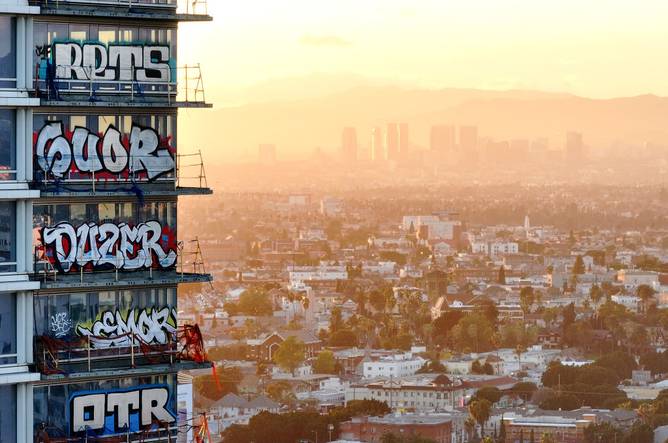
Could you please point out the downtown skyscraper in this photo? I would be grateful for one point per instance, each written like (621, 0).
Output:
(90, 259)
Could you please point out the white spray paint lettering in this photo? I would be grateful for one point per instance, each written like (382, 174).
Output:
(153, 326)
(107, 244)
(93, 61)
(89, 412)
(56, 154)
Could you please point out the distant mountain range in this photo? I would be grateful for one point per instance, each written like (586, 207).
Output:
(324, 106)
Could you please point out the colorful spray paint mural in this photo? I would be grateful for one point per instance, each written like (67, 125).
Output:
(152, 326)
(122, 408)
(81, 153)
(127, 243)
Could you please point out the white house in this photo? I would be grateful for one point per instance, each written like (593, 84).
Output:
(400, 365)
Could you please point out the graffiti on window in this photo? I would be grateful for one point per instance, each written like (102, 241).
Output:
(114, 328)
(142, 154)
(113, 412)
(109, 246)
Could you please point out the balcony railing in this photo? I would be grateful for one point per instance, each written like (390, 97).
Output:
(159, 433)
(90, 353)
(188, 173)
(186, 86)
(190, 7)
(188, 254)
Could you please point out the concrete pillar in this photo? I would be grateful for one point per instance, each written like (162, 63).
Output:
(21, 52)
(21, 144)
(28, 332)
(28, 155)
(20, 328)
(29, 49)
(21, 222)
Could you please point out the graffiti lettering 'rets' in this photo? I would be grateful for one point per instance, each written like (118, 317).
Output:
(141, 155)
(109, 246)
(151, 325)
(94, 61)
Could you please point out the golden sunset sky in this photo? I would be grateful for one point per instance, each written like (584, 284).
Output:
(595, 48)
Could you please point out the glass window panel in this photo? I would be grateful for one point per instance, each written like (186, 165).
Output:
(7, 52)
(7, 327)
(8, 414)
(7, 142)
(7, 236)
(77, 120)
(107, 34)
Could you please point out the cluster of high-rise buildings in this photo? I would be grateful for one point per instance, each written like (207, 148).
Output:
(90, 259)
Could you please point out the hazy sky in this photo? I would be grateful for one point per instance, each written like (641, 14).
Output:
(597, 48)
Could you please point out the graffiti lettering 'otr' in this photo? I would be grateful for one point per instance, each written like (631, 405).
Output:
(107, 245)
(153, 326)
(94, 61)
(115, 412)
(55, 151)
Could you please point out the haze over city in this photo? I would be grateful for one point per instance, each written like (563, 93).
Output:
(350, 221)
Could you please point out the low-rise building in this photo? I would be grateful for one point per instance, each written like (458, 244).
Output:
(400, 365)
(435, 427)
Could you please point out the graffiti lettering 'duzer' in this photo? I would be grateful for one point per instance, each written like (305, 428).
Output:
(119, 246)
(152, 326)
(57, 152)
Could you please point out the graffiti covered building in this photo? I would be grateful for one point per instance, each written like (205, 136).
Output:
(90, 259)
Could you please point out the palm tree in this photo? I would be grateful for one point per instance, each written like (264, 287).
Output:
(480, 411)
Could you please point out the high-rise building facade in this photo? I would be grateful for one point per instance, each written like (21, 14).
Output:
(349, 144)
(90, 260)
(392, 141)
(377, 145)
(468, 138)
(442, 138)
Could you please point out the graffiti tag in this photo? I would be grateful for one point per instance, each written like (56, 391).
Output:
(113, 412)
(153, 326)
(95, 61)
(60, 324)
(108, 245)
(57, 153)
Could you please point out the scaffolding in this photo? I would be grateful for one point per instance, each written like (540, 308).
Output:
(190, 171)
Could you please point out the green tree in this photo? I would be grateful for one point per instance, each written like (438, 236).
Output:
(255, 301)
(215, 387)
(432, 367)
(480, 411)
(578, 267)
(473, 332)
(501, 279)
(595, 293)
(325, 363)
(335, 320)
(290, 354)
(343, 337)
(524, 390)
(547, 438)
(527, 298)
(489, 393)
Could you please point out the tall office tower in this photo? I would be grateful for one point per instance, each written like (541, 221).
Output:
(377, 146)
(349, 145)
(89, 253)
(392, 141)
(404, 140)
(267, 154)
(468, 138)
(442, 138)
(574, 146)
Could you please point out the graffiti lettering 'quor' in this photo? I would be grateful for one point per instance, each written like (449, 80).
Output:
(57, 152)
(95, 61)
(152, 326)
(119, 246)
(107, 413)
